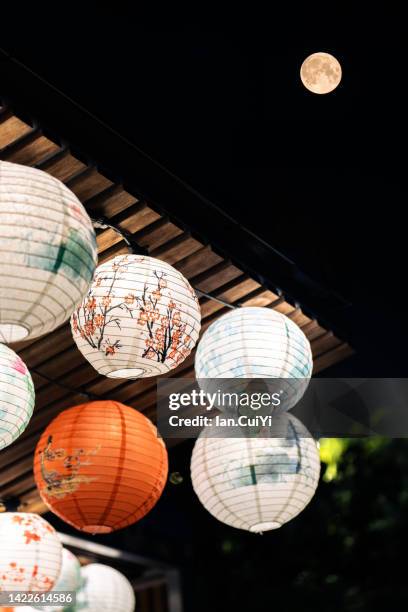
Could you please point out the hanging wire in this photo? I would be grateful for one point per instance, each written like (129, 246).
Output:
(215, 299)
(77, 390)
(135, 248)
(128, 238)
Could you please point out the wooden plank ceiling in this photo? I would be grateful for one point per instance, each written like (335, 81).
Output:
(55, 355)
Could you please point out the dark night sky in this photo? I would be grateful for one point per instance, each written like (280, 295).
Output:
(225, 110)
(319, 177)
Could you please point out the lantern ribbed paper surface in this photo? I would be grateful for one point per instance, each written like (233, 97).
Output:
(140, 318)
(100, 466)
(30, 553)
(69, 579)
(255, 342)
(17, 396)
(256, 483)
(105, 590)
(48, 252)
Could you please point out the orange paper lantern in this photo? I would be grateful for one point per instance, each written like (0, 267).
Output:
(100, 466)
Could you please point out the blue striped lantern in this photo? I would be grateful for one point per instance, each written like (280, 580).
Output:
(259, 343)
(17, 396)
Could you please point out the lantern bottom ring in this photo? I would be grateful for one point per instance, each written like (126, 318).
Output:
(261, 527)
(95, 529)
(127, 373)
(13, 332)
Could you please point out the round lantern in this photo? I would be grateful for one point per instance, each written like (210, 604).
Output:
(140, 318)
(17, 396)
(100, 466)
(48, 253)
(69, 579)
(256, 483)
(255, 342)
(105, 590)
(30, 553)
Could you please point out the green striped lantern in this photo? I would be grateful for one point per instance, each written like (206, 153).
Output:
(47, 252)
(16, 396)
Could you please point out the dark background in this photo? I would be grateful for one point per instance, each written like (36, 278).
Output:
(322, 179)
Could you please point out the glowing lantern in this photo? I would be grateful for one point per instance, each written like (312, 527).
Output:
(17, 396)
(105, 590)
(256, 483)
(255, 342)
(100, 466)
(140, 318)
(48, 252)
(30, 553)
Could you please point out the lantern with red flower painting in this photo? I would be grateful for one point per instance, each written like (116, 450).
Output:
(30, 553)
(140, 318)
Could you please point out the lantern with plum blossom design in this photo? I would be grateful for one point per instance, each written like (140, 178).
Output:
(140, 318)
(30, 553)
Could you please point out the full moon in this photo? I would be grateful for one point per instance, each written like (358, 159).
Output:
(320, 73)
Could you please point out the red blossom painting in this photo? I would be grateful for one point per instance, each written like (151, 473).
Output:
(154, 309)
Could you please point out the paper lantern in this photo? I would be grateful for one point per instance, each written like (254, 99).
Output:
(30, 553)
(100, 466)
(140, 318)
(105, 590)
(256, 483)
(69, 579)
(258, 343)
(48, 252)
(17, 396)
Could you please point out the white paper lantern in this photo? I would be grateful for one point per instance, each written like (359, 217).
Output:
(105, 590)
(30, 553)
(48, 252)
(256, 483)
(140, 318)
(255, 342)
(69, 579)
(17, 396)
